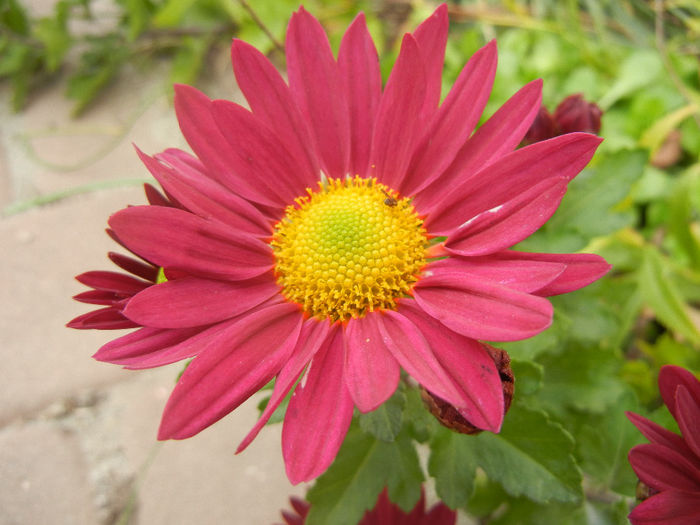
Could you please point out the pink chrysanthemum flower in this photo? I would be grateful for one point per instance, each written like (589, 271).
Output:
(384, 513)
(340, 232)
(670, 464)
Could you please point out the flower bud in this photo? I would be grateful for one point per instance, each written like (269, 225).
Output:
(542, 128)
(574, 113)
(450, 417)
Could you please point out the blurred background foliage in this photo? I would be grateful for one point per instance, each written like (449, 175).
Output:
(637, 204)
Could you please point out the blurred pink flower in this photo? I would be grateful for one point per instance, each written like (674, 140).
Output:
(670, 464)
(384, 513)
(342, 231)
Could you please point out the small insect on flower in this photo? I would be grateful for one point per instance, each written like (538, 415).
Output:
(389, 201)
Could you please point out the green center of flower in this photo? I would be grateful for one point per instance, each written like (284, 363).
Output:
(349, 248)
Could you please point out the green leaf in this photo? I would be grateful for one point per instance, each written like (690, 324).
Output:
(532, 457)
(603, 443)
(453, 462)
(14, 17)
(582, 378)
(189, 59)
(587, 205)
(528, 376)
(52, 32)
(363, 467)
(278, 415)
(659, 292)
(417, 420)
(681, 216)
(138, 15)
(98, 65)
(637, 71)
(384, 423)
(172, 12)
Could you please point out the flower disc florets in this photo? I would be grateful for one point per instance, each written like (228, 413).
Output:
(349, 248)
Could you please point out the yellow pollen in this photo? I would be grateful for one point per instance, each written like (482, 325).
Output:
(348, 249)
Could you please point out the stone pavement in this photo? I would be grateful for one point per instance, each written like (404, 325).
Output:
(77, 437)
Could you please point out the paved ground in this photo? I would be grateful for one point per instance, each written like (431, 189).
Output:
(77, 437)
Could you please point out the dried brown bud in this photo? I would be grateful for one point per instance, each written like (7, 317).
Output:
(542, 128)
(448, 415)
(574, 113)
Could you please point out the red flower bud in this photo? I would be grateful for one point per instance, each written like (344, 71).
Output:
(574, 113)
(542, 128)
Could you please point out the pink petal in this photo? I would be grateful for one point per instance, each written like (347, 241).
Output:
(154, 197)
(109, 318)
(581, 269)
(411, 349)
(313, 335)
(431, 37)
(517, 219)
(398, 127)
(260, 157)
(497, 136)
(371, 372)
(671, 507)
(197, 124)
(454, 121)
(663, 468)
(112, 282)
(180, 240)
(517, 274)
(470, 367)
(146, 344)
(318, 416)
(315, 84)
(658, 434)
(358, 64)
(670, 377)
(204, 196)
(480, 309)
(511, 175)
(688, 417)
(270, 99)
(138, 268)
(230, 368)
(192, 301)
(99, 297)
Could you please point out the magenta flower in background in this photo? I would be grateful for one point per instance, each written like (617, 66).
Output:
(384, 513)
(670, 464)
(343, 231)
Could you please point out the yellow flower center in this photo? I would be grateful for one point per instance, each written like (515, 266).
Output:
(349, 248)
